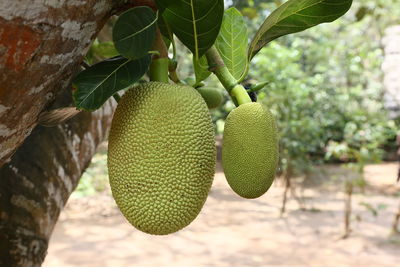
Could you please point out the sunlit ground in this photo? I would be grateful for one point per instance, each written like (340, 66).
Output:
(231, 231)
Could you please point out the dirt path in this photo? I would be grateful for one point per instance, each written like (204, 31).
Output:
(234, 232)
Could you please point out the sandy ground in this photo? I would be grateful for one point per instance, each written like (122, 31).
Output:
(231, 231)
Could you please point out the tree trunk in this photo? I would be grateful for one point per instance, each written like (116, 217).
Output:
(37, 182)
(42, 44)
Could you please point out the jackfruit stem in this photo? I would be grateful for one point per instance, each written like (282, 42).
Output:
(173, 75)
(240, 94)
(160, 63)
(159, 70)
(237, 92)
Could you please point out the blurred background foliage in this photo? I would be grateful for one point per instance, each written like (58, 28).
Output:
(324, 87)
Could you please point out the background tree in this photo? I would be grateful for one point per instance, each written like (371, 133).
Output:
(42, 44)
(311, 75)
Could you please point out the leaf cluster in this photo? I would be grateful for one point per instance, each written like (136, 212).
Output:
(200, 25)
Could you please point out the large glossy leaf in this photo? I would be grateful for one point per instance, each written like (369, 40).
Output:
(201, 69)
(295, 16)
(232, 43)
(134, 32)
(96, 84)
(195, 22)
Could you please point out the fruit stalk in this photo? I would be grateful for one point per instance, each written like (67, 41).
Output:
(217, 66)
(173, 75)
(160, 63)
(159, 70)
(240, 94)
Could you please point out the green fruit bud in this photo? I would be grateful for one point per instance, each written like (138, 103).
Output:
(212, 96)
(190, 81)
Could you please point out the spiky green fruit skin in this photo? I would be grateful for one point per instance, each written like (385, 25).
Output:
(212, 96)
(161, 156)
(250, 150)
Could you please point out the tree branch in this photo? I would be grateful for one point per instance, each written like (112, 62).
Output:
(37, 182)
(43, 47)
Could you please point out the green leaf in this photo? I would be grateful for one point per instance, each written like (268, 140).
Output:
(102, 80)
(134, 32)
(295, 16)
(195, 22)
(232, 43)
(201, 69)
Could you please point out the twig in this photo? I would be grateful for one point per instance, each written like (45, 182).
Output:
(347, 208)
(85, 65)
(396, 221)
(54, 117)
(288, 175)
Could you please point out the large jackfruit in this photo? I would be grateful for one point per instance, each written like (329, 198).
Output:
(250, 150)
(161, 156)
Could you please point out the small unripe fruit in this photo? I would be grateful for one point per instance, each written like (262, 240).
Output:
(212, 96)
(250, 150)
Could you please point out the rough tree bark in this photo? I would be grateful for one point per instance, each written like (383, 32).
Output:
(36, 183)
(42, 43)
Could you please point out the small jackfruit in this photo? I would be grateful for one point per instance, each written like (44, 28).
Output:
(212, 96)
(250, 150)
(161, 156)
